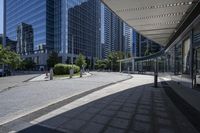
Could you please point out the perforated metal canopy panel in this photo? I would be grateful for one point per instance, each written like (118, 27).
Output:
(156, 19)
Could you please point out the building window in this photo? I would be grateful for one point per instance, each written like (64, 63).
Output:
(178, 59)
(186, 56)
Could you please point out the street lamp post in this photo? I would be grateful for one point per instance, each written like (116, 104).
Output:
(72, 54)
(72, 58)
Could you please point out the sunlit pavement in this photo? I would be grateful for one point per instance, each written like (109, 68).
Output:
(28, 97)
(13, 81)
(132, 106)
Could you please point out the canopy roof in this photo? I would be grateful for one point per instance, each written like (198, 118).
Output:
(157, 20)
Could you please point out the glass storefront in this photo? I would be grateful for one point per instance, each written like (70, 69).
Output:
(186, 56)
(178, 59)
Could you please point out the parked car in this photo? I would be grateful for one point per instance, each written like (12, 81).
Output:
(5, 72)
(2, 73)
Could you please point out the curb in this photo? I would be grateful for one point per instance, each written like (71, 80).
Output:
(31, 78)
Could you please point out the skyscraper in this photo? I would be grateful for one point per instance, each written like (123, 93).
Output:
(83, 28)
(1, 39)
(38, 15)
(128, 40)
(112, 32)
(135, 45)
(24, 39)
(57, 25)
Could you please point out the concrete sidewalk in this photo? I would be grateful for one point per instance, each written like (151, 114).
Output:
(133, 106)
(32, 96)
(43, 77)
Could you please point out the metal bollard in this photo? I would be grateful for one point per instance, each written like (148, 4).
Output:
(128, 70)
(81, 73)
(51, 74)
(71, 73)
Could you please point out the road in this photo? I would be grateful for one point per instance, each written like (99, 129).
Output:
(12, 81)
(31, 96)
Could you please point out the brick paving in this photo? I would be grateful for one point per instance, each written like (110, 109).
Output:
(133, 106)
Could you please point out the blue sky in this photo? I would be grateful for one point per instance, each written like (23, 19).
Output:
(1, 16)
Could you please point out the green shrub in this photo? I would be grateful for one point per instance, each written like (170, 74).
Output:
(76, 69)
(59, 69)
(62, 69)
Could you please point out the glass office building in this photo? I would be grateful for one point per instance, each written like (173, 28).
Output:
(83, 27)
(24, 39)
(57, 25)
(113, 39)
(40, 17)
(128, 40)
(32, 12)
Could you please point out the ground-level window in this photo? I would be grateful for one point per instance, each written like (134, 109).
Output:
(178, 59)
(186, 56)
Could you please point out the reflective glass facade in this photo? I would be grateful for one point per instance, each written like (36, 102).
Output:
(128, 42)
(113, 32)
(24, 39)
(83, 25)
(55, 23)
(180, 62)
(31, 12)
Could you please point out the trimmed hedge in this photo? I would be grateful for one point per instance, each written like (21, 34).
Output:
(62, 69)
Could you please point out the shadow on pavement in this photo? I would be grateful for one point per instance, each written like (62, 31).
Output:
(142, 109)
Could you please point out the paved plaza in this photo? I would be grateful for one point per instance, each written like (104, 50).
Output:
(9, 82)
(131, 106)
(28, 97)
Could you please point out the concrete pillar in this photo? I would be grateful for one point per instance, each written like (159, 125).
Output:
(72, 56)
(156, 74)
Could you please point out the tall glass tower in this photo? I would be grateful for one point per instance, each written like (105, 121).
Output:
(83, 24)
(128, 40)
(113, 39)
(31, 12)
(57, 25)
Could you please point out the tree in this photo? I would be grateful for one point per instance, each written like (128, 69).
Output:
(3, 55)
(28, 64)
(111, 62)
(52, 60)
(113, 58)
(101, 64)
(9, 58)
(80, 61)
(14, 60)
